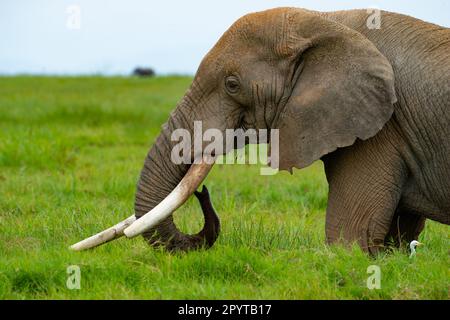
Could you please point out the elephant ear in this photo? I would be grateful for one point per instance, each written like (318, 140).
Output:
(344, 91)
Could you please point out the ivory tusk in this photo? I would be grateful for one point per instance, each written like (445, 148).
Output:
(132, 227)
(109, 234)
(193, 178)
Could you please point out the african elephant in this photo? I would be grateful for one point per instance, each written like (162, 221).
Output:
(371, 103)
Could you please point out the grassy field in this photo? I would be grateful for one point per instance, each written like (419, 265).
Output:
(71, 150)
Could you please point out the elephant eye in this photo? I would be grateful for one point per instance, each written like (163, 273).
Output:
(232, 84)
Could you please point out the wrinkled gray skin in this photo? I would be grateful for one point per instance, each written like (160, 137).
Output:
(372, 104)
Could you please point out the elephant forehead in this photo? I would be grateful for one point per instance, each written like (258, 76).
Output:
(263, 24)
(267, 34)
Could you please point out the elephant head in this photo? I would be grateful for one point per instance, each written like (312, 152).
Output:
(321, 84)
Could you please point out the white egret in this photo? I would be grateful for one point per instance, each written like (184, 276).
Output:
(413, 246)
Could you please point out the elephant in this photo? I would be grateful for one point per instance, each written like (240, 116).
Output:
(371, 103)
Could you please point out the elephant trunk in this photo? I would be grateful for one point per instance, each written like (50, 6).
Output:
(160, 180)
(162, 188)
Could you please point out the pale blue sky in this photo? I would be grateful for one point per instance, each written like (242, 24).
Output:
(171, 36)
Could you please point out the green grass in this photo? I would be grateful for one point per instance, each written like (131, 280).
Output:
(71, 150)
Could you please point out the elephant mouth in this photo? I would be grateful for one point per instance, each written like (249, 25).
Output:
(132, 227)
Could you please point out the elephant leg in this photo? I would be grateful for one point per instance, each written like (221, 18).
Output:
(365, 183)
(409, 219)
(405, 227)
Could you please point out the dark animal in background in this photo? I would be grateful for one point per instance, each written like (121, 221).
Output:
(144, 72)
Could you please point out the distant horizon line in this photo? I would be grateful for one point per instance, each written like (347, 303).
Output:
(95, 74)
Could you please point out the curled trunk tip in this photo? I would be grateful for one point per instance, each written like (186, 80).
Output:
(166, 234)
(211, 229)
